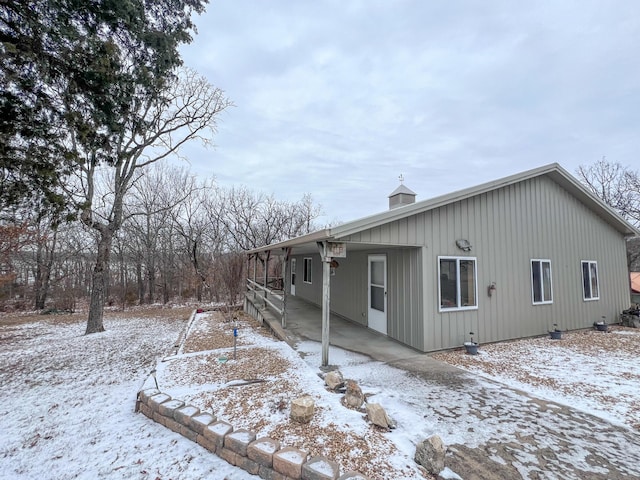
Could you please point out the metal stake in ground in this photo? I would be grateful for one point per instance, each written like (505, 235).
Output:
(235, 336)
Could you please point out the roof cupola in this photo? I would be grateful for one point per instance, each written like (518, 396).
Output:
(401, 196)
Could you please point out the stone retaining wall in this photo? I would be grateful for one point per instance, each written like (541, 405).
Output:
(259, 456)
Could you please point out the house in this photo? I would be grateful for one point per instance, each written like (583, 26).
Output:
(506, 259)
(633, 255)
(635, 287)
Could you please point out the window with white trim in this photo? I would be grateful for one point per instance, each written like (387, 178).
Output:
(541, 286)
(457, 283)
(306, 270)
(590, 288)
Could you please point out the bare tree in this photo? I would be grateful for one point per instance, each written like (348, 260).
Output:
(46, 246)
(199, 235)
(187, 112)
(13, 237)
(618, 187)
(231, 267)
(255, 219)
(149, 211)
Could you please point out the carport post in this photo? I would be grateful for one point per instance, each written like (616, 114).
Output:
(285, 264)
(266, 275)
(326, 300)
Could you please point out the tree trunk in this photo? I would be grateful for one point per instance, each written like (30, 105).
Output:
(151, 282)
(140, 282)
(44, 258)
(37, 284)
(123, 281)
(99, 284)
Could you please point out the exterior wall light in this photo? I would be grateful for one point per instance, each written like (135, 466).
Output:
(463, 245)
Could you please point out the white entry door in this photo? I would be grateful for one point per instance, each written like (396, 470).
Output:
(378, 293)
(293, 277)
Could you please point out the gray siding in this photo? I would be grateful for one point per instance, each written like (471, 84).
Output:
(507, 228)
(405, 314)
(349, 290)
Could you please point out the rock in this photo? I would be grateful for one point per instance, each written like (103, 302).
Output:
(302, 409)
(378, 416)
(353, 397)
(430, 454)
(628, 320)
(334, 380)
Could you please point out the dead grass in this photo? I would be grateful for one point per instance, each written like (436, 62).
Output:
(255, 405)
(588, 342)
(145, 311)
(515, 360)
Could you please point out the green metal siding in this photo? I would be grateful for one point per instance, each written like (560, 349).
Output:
(404, 286)
(507, 228)
(349, 291)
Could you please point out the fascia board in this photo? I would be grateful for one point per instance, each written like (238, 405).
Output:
(317, 236)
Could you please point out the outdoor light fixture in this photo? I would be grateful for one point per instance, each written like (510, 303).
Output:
(463, 244)
(492, 288)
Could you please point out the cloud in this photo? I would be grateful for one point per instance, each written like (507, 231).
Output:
(338, 99)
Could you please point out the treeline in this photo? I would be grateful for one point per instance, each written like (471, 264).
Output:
(181, 239)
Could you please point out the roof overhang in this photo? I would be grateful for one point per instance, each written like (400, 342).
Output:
(309, 240)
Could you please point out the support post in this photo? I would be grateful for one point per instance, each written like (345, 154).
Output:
(248, 270)
(285, 266)
(255, 274)
(326, 300)
(266, 274)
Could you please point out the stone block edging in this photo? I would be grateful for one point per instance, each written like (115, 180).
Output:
(263, 456)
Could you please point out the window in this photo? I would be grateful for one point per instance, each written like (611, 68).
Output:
(590, 280)
(541, 281)
(306, 270)
(457, 283)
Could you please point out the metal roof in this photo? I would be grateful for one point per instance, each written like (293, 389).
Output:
(402, 189)
(553, 171)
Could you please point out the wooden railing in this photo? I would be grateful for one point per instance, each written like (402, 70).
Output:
(265, 294)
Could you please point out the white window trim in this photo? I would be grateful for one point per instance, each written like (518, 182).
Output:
(590, 262)
(304, 270)
(442, 309)
(543, 301)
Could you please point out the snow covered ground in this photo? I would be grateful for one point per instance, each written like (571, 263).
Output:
(68, 400)
(67, 409)
(596, 372)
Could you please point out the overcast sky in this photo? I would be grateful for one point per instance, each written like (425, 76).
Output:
(338, 98)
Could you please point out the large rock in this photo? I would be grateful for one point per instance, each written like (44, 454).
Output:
(378, 416)
(353, 396)
(302, 409)
(334, 380)
(430, 454)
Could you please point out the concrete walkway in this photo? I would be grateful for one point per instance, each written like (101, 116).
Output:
(530, 438)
